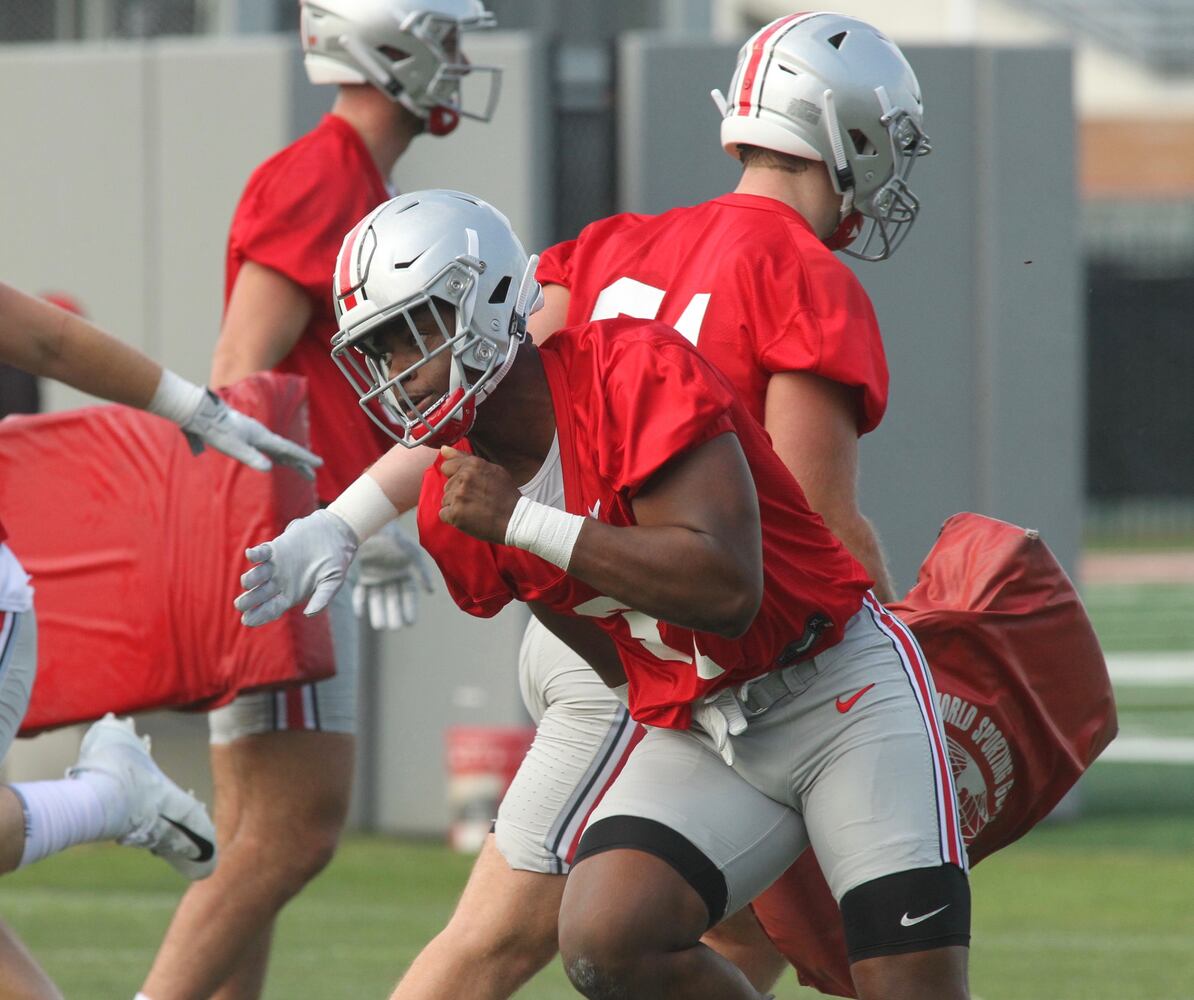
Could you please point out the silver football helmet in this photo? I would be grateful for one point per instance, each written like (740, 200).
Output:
(408, 49)
(404, 257)
(833, 88)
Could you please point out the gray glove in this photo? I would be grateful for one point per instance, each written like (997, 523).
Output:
(307, 562)
(392, 569)
(239, 436)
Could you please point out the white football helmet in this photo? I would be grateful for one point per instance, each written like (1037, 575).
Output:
(408, 49)
(832, 88)
(404, 256)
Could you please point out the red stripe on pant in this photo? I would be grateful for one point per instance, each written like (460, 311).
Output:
(635, 738)
(920, 673)
(296, 715)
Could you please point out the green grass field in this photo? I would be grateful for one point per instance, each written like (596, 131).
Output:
(1097, 910)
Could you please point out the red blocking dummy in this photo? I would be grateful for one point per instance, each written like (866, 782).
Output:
(136, 547)
(1026, 702)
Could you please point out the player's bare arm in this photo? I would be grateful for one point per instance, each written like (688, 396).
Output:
(266, 315)
(552, 315)
(47, 341)
(813, 426)
(399, 473)
(694, 559)
(44, 340)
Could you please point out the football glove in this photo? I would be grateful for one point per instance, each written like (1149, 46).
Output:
(308, 562)
(392, 570)
(239, 436)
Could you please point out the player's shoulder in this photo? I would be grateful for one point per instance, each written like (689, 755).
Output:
(620, 348)
(612, 227)
(313, 161)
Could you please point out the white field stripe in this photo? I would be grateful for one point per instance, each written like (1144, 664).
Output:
(1150, 750)
(944, 783)
(1151, 669)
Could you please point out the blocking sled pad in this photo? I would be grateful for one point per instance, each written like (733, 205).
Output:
(136, 548)
(1025, 699)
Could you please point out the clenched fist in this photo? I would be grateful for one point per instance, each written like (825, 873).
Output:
(479, 497)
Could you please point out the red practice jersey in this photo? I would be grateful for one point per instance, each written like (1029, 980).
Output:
(745, 279)
(292, 218)
(629, 396)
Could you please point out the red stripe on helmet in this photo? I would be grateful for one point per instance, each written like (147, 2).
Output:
(756, 57)
(344, 279)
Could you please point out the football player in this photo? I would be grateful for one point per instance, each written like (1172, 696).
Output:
(283, 761)
(751, 279)
(616, 482)
(114, 791)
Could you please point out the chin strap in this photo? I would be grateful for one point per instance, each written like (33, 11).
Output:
(843, 174)
(846, 233)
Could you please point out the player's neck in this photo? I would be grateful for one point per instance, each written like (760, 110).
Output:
(808, 193)
(386, 128)
(516, 423)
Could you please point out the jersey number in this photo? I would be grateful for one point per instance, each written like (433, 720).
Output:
(645, 629)
(628, 297)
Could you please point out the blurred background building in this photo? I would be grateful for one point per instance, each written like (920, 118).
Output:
(1038, 319)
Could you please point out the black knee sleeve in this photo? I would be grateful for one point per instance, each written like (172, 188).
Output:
(651, 837)
(916, 910)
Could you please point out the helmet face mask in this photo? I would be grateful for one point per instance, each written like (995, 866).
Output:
(408, 49)
(445, 270)
(889, 213)
(832, 88)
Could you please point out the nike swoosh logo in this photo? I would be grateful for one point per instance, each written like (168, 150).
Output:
(845, 704)
(907, 921)
(595, 510)
(207, 849)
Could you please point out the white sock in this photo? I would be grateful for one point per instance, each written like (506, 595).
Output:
(59, 814)
(140, 996)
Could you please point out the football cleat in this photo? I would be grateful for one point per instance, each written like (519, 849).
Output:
(169, 822)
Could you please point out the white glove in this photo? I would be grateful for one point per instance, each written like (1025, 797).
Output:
(310, 559)
(206, 419)
(721, 717)
(392, 570)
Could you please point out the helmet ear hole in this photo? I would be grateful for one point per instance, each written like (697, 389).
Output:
(862, 143)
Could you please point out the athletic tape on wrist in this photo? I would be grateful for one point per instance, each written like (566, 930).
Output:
(364, 507)
(175, 398)
(545, 531)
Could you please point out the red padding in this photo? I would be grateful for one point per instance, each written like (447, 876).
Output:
(1026, 701)
(136, 548)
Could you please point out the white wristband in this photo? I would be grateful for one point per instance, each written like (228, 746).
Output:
(545, 531)
(175, 398)
(364, 507)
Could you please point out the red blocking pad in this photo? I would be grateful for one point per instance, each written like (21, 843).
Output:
(1026, 702)
(136, 548)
